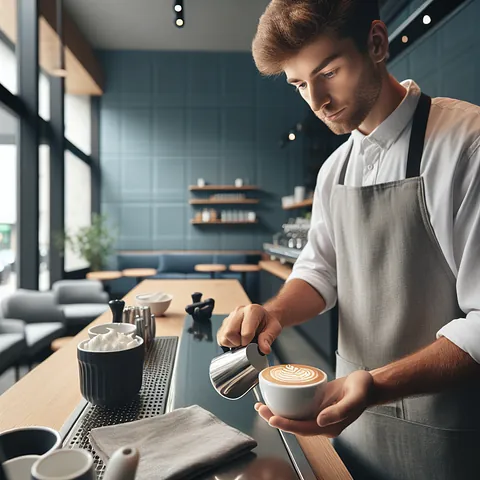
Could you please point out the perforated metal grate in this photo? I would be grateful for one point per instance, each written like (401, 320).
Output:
(151, 400)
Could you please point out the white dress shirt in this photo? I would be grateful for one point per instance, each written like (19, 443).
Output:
(451, 171)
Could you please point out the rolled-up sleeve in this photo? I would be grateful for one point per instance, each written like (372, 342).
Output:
(316, 264)
(465, 332)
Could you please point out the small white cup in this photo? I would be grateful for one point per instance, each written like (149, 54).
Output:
(74, 464)
(299, 194)
(200, 182)
(19, 468)
(238, 182)
(126, 328)
(296, 402)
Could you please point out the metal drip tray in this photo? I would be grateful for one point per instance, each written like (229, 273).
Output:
(150, 402)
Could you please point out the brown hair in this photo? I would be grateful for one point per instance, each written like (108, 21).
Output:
(289, 25)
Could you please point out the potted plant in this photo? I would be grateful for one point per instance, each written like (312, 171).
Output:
(94, 243)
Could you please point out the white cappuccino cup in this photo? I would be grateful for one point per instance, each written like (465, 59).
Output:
(293, 391)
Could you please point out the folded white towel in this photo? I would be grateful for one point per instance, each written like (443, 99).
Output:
(178, 445)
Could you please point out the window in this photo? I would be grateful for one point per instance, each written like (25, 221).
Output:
(8, 58)
(77, 204)
(78, 121)
(44, 217)
(8, 200)
(44, 96)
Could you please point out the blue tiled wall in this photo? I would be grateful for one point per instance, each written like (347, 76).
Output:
(169, 118)
(446, 62)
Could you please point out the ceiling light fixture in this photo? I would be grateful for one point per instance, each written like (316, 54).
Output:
(179, 13)
(291, 136)
(404, 39)
(427, 19)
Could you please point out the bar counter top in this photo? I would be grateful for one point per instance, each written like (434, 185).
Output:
(50, 392)
(276, 268)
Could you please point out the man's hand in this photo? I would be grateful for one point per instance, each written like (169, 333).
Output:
(345, 400)
(241, 326)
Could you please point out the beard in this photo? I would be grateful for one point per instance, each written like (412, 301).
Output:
(366, 94)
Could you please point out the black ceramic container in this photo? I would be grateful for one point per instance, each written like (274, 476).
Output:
(110, 379)
(28, 441)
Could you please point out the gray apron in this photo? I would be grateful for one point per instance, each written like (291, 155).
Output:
(395, 291)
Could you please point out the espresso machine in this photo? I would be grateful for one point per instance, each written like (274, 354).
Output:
(288, 243)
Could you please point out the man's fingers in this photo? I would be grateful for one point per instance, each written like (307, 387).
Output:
(229, 334)
(252, 317)
(353, 401)
(263, 411)
(334, 414)
(299, 427)
(267, 337)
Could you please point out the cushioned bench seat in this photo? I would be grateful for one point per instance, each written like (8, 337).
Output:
(12, 348)
(79, 315)
(179, 266)
(41, 335)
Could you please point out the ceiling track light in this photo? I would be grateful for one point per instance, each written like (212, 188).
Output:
(426, 18)
(179, 13)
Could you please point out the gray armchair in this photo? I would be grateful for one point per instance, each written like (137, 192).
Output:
(13, 345)
(43, 321)
(81, 301)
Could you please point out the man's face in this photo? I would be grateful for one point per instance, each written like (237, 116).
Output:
(340, 83)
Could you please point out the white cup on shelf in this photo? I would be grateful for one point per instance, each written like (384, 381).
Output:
(299, 194)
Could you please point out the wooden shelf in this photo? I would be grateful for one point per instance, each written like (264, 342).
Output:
(305, 203)
(211, 201)
(219, 222)
(194, 188)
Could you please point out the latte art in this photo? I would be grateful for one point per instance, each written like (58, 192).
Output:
(293, 374)
(290, 373)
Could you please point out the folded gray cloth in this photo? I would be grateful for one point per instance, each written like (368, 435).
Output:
(178, 445)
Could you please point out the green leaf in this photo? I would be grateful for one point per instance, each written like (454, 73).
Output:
(94, 243)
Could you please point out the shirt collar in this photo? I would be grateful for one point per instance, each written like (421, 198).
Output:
(391, 128)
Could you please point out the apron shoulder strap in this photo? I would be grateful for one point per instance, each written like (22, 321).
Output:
(343, 172)
(417, 137)
(417, 140)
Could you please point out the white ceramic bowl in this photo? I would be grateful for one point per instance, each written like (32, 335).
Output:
(19, 468)
(126, 328)
(158, 302)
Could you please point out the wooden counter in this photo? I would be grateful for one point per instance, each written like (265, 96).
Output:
(50, 392)
(276, 268)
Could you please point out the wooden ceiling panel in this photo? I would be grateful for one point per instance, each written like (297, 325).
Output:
(84, 74)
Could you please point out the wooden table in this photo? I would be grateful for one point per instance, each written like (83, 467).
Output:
(49, 393)
(139, 273)
(105, 275)
(211, 268)
(244, 269)
(59, 343)
(276, 268)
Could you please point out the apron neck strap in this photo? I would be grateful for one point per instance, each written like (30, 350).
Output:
(417, 140)
(417, 137)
